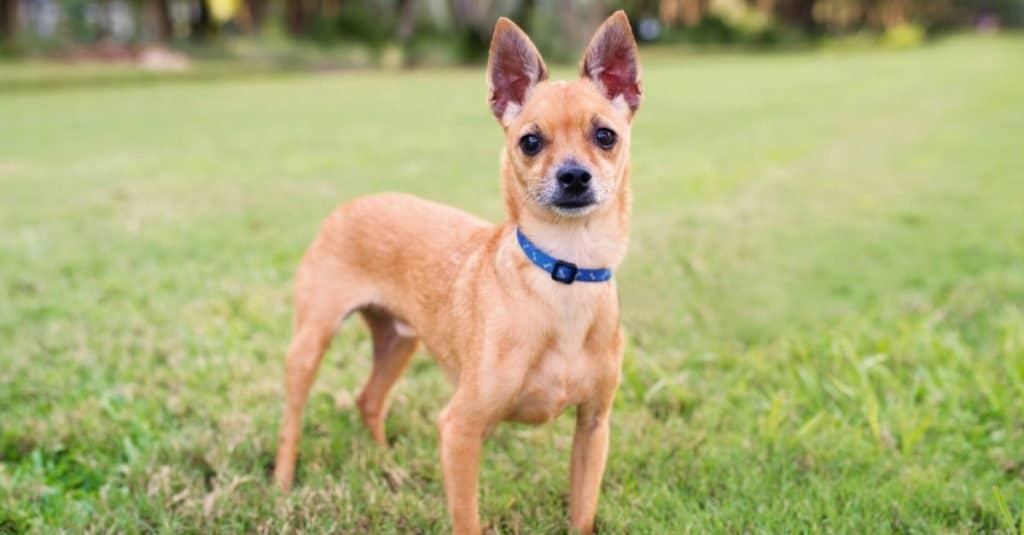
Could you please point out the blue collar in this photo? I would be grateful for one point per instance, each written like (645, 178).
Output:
(560, 270)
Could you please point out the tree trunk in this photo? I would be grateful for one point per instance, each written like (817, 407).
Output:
(330, 9)
(104, 26)
(250, 16)
(203, 26)
(799, 13)
(8, 20)
(406, 10)
(894, 13)
(159, 14)
(693, 12)
(257, 12)
(295, 17)
(766, 6)
(668, 12)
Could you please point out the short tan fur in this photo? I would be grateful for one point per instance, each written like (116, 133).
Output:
(518, 345)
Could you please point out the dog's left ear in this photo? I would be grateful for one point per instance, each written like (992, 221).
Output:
(513, 69)
(611, 62)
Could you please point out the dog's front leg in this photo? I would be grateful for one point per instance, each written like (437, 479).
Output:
(589, 452)
(462, 434)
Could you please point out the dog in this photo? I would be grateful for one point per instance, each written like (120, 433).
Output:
(522, 316)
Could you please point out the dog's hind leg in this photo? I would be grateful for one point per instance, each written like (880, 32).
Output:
(393, 346)
(319, 308)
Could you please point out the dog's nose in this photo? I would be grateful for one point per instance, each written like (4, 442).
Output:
(574, 179)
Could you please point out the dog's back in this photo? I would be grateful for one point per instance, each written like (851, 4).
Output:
(374, 249)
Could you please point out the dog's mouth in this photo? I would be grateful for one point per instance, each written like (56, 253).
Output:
(578, 204)
(573, 207)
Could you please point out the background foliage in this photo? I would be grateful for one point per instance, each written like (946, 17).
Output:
(443, 31)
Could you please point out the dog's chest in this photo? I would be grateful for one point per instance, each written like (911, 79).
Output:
(557, 380)
(576, 357)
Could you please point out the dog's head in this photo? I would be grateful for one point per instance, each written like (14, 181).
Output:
(566, 143)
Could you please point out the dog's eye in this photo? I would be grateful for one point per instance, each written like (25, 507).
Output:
(605, 138)
(531, 144)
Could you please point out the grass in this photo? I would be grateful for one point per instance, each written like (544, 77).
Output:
(824, 301)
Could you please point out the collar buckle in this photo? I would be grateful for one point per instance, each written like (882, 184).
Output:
(564, 272)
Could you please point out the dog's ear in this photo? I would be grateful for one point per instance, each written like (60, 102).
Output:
(611, 62)
(514, 67)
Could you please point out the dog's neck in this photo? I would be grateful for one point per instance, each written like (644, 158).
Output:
(598, 240)
(592, 245)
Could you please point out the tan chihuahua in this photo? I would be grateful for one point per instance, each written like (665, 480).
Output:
(523, 316)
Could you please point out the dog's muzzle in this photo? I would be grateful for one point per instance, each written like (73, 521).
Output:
(574, 191)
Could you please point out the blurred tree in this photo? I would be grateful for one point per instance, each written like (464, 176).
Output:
(799, 13)
(525, 12)
(8, 20)
(694, 11)
(327, 8)
(689, 12)
(562, 28)
(462, 28)
(893, 12)
(467, 19)
(840, 15)
(158, 14)
(939, 12)
(405, 13)
(257, 12)
(203, 26)
(295, 18)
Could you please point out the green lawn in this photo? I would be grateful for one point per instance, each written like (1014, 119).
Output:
(824, 300)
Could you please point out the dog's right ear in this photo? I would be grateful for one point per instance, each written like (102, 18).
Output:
(514, 68)
(611, 62)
